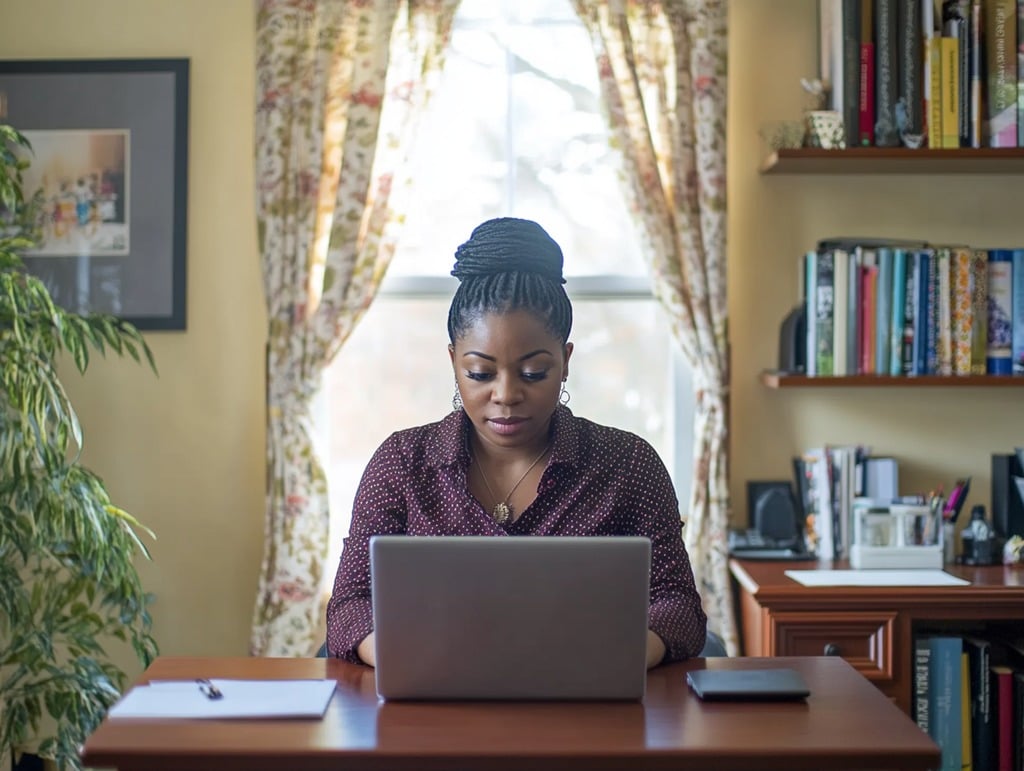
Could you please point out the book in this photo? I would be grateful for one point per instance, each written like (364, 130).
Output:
(956, 24)
(824, 313)
(966, 717)
(944, 696)
(910, 91)
(899, 305)
(1020, 74)
(949, 48)
(961, 309)
(886, 130)
(975, 84)
(922, 657)
(933, 58)
(841, 306)
(982, 717)
(883, 310)
(1002, 702)
(1001, 69)
(979, 310)
(944, 320)
(1017, 278)
(851, 71)
(930, 83)
(810, 283)
(999, 348)
(866, 94)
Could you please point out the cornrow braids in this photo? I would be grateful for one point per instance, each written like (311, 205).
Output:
(509, 264)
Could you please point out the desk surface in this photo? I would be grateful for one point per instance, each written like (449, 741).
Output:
(845, 723)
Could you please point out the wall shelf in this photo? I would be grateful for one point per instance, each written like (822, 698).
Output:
(775, 379)
(895, 160)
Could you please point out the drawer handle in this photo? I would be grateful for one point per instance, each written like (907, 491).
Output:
(831, 649)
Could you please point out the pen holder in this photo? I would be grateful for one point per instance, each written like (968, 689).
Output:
(890, 535)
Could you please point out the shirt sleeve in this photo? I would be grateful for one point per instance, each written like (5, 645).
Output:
(379, 509)
(676, 613)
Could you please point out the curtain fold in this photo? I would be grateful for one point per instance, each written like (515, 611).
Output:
(662, 67)
(340, 84)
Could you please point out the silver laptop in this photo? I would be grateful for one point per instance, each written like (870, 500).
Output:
(518, 617)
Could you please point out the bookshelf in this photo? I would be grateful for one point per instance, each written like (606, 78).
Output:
(895, 160)
(775, 379)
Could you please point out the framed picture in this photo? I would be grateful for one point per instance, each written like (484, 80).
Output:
(110, 155)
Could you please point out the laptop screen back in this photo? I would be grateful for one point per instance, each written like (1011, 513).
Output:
(526, 617)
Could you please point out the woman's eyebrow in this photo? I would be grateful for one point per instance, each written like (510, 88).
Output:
(529, 355)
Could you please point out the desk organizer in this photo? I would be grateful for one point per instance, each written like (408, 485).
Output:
(895, 536)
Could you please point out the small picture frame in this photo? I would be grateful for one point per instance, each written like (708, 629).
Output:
(110, 157)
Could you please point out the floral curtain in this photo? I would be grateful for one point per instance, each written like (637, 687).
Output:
(663, 74)
(340, 84)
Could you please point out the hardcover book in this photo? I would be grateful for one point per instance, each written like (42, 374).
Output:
(886, 74)
(1001, 68)
(961, 310)
(999, 351)
(1017, 276)
(944, 697)
(910, 92)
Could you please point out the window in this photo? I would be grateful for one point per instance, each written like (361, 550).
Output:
(515, 129)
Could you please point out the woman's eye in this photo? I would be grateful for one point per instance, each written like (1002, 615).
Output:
(535, 377)
(479, 376)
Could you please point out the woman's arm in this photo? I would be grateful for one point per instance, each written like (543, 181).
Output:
(655, 649)
(379, 508)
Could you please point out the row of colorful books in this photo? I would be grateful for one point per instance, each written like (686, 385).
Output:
(969, 697)
(925, 73)
(887, 307)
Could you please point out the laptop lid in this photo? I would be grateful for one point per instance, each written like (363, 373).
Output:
(519, 617)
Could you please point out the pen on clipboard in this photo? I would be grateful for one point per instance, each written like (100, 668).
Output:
(209, 690)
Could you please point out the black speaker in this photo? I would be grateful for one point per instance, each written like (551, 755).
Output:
(1007, 499)
(793, 341)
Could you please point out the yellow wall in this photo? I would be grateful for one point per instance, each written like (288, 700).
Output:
(937, 433)
(186, 451)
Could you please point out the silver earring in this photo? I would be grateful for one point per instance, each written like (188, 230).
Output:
(563, 395)
(457, 399)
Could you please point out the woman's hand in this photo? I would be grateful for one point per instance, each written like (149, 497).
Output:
(655, 649)
(367, 650)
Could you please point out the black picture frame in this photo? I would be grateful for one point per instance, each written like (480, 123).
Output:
(111, 154)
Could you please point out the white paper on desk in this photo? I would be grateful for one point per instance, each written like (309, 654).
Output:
(241, 699)
(875, 578)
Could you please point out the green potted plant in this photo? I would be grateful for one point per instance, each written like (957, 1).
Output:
(70, 586)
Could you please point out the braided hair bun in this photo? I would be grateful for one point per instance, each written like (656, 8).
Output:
(507, 245)
(509, 264)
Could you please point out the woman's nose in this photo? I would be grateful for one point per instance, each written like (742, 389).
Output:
(507, 390)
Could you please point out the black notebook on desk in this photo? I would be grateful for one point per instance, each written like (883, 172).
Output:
(747, 684)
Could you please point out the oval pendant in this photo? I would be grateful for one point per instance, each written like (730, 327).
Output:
(501, 512)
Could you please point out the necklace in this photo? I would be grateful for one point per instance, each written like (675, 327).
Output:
(502, 512)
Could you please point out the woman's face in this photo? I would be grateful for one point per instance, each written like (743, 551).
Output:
(509, 370)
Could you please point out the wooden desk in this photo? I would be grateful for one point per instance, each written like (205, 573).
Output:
(844, 724)
(872, 627)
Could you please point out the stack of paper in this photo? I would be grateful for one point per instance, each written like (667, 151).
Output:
(239, 699)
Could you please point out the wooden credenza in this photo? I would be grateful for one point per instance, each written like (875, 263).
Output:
(871, 627)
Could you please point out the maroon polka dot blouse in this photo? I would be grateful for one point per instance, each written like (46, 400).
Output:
(598, 481)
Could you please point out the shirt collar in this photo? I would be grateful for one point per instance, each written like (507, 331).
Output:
(450, 447)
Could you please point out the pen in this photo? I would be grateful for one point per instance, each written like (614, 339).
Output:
(209, 690)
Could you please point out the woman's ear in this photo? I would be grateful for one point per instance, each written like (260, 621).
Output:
(565, 361)
(451, 354)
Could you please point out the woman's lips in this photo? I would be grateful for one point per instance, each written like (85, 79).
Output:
(506, 426)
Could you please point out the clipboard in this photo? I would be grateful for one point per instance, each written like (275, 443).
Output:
(254, 699)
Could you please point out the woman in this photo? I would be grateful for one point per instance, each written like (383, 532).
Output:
(511, 459)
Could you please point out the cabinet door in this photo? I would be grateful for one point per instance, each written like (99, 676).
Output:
(864, 639)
